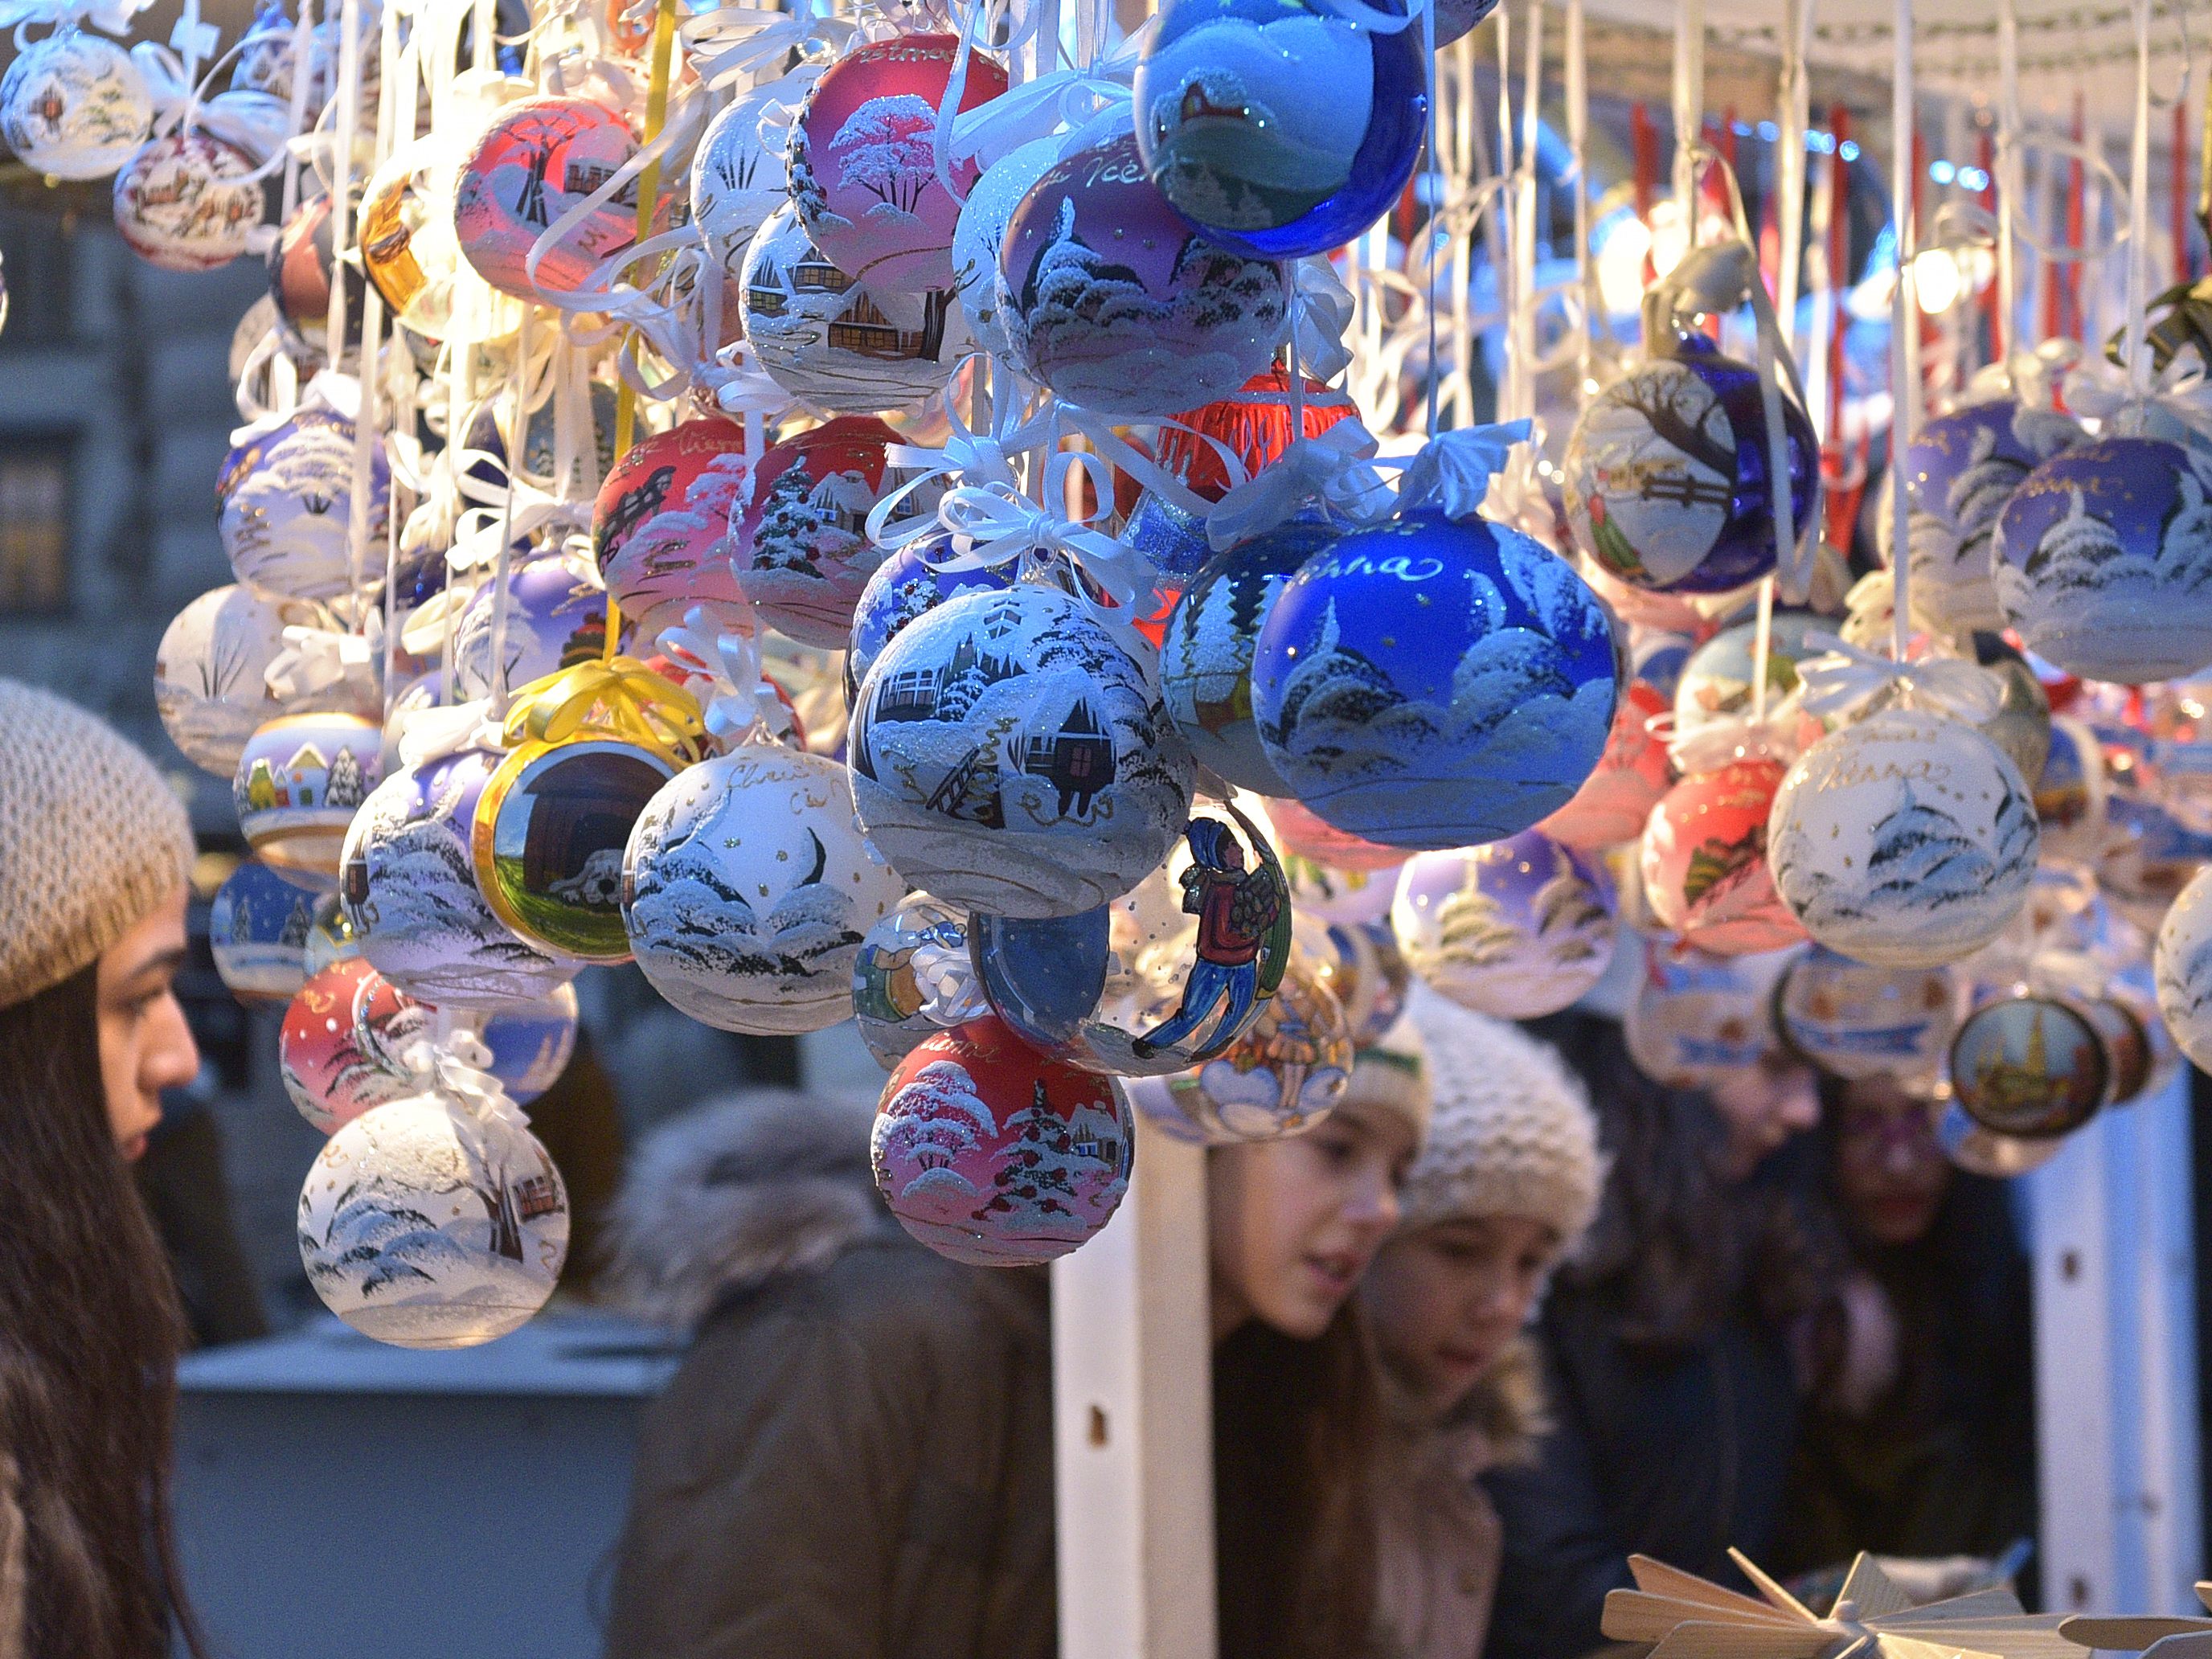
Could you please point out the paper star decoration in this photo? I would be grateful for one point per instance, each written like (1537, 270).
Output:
(1689, 1618)
(2147, 1633)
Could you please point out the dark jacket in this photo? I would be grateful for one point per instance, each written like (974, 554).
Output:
(855, 1460)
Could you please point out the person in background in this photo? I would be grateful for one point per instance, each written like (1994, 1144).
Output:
(94, 852)
(855, 1457)
(1919, 1437)
(187, 1196)
(1298, 1426)
(1504, 1190)
(1668, 1346)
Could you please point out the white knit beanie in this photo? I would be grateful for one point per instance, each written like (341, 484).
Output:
(1512, 1132)
(1393, 1073)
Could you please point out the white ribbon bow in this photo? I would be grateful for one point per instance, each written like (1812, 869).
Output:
(1845, 678)
(1334, 472)
(732, 42)
(1322, 308)
(1452, 472)
(1736, 737)
(438, 733)
(314, 660)
(112, 15)
(456, 1065)
(972, 457)
(2032, 378)
(2179, 396)
(1063, 97)
(741, 706)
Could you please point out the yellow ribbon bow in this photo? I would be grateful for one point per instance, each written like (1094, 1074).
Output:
(619, 698)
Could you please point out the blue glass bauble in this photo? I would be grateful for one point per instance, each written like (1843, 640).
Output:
(1667, 479)
(904, 587)
(1435, 683)
(1173, 541)
(1205, 656)
(2103, 560)
(1278, 127)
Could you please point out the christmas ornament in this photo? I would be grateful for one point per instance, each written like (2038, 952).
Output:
(2148, 853)
(185, 201)
(912, 978)
(1132, 987)
(1704, 866)
(1205, 656)
(432, 1223)
(339, 1049)
(747, 891)
(991, 1154)
(1960, 468)
(74, 106)
(286, 491)
(661, 527)
(1278, 129)
(1632, 774)
(300, 779)
(2030, 1067)
(1518, 929)
(1359, 963)
(1906, 841)
(1435, 683)
(905, 586)
(1980, 1152)
(2069, 795)
(824, 338)
(1717, 679)
(1006, 754)
(799, 536)
(1110, 300)
(211, 671)
(2127, 1043)
(1282, 1077)
(257, 933)
(1298, 832)
(1666, 478)
(531, 1043)
(2183, 963)
(866, 178)
(2021, 726)
(1694, 1016)
(1331, 895)
(301, 273)
(2103, 560)
(408, 245)
(537, 163)
(557, 617)
(739, 177)
(330, 936)
(1856, 1021)
(982, 232)
(409, 886)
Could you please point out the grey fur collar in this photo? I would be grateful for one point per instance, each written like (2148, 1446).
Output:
(737, 1192)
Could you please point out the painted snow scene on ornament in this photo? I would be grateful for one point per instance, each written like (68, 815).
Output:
(2183, 962)
(557, 617)
(841, 347)
(426, 1225)
(1906, 841)
(1859, 1021)
(339, 1049)
(2029, 1066)
(300, 779)
(865, 168)
(747, 891)
(991, 1154)
(1008, 754)
(906, 587)
(210, 682)
(537, 161)
(1717, 681)
(74, 106)
(549, 838)
(257, 932)
(410, 891)
(286, 490)
(981, 232)
(1517, 928)
(2104, 560)
(661, 527)
(1960, 468)
(800, 544)
(1113, 302)
(1694, 1016)
(737, 181)
(1282, 1076)
(1431, 684)
(1704, 861)
(912, 978)
(185, 203)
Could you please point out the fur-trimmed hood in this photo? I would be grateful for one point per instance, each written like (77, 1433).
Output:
(743, 1189)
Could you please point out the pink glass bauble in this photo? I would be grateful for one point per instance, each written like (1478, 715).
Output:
(800, 540)
(1705, 861)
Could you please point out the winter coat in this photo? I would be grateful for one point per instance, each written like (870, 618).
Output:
(1437, 1536)
(854, 1460)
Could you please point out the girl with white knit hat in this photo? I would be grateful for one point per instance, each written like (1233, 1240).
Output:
(1509, 1180)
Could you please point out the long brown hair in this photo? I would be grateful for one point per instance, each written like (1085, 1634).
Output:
(1297, 1431)
(89, 1333)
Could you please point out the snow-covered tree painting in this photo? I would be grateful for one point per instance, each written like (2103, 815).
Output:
(888, 147)
(286, 523)
(1651, 473)
(810, 556)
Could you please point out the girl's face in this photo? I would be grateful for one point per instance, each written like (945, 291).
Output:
(1762, 1106)
(1294, 1223)
(1890, 1172)
(1445, 1300)
(144, 1045)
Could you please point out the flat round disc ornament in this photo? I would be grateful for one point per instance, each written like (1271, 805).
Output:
(409, 886)
(427, 1224)
(2104, 560)
(1279, 127)
(74, 106)
(747, 891)
(1666, 478)
(1907, 841)
(1280, 1077)
(660, 526)
(1006, 754)
(548, 839)
(991, 1154)
(1432, 684)
(299, 780)
(863, 159)
(800, 537)
(912, 978)
(210, 672)
(2029, 1066)
(1704, 861)
(1111, 300)
(1517, 929)
(185, 201)
(537, 161)
(257, 933)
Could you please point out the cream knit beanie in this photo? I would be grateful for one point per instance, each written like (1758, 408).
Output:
(91, 839)
(1512, 1135)
(1393, 1073)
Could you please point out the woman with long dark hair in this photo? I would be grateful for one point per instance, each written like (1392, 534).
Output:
(94, 852)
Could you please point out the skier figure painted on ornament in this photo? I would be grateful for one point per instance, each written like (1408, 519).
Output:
(1651, 474)
(1237, 910)
(1283, 1075)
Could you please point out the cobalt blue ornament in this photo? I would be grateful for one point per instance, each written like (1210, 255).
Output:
(1666, 480)
(905, 586)
(1205, 656)
(1280, 128)
(1434, 683)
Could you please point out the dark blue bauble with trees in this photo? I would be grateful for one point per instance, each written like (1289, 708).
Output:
(1667, 480)
(1435, 683)
(1280, 128)
(904, 587)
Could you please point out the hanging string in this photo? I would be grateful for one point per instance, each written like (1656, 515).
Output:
(502, 592)
(1905, 333)
(1689, 99)
(1586, 297)
(1789, 179)
(2007, 170)
(2139, 376)
(1429, 226)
